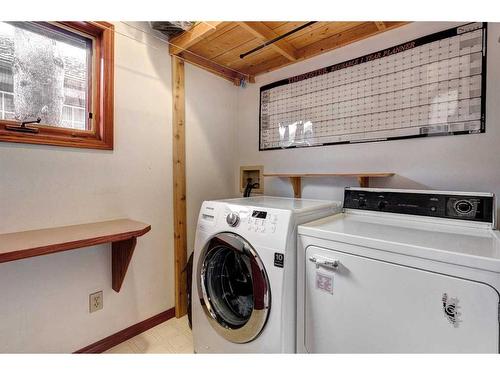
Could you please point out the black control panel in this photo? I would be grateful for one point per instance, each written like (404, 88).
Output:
(433, 204)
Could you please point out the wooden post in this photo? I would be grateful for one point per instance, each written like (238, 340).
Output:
(179, 180)
(297, 186)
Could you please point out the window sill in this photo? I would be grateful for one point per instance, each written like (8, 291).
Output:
(56, 137)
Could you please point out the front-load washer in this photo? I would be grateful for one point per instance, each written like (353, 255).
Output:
(244, 273)
(401, 271)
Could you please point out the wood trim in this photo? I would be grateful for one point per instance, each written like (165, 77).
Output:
(368, 174)
(261, 31)
(179, 179)
(127, 333)
(101, 136)
(220, 70)
(192, 36)
(380, 25)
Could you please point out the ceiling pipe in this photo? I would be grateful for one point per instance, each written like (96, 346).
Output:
(274, 40)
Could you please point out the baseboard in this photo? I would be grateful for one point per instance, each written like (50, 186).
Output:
(127, 333)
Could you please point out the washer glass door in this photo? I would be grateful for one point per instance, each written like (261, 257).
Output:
(235, 288)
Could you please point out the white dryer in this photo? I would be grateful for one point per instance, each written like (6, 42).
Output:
(244, 273)
(400, 271)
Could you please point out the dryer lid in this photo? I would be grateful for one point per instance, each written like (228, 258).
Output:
(467, 246)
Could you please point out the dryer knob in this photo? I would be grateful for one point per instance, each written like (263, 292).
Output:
(233, 219)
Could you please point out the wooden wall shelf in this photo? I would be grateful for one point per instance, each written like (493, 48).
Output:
(296, 178)
(121, 233)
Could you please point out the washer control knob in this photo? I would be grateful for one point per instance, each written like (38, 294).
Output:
(362, 202)
(382, 204)
(233, 219)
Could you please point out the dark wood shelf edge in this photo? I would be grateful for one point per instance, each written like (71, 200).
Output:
(73, 245)
(122, 235)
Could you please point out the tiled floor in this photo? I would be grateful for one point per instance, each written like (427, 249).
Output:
(173, 336)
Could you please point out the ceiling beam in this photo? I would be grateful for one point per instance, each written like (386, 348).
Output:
(220, 70)
(192, 36)
(261, 31)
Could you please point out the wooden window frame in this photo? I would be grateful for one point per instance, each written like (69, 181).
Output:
(102, 100)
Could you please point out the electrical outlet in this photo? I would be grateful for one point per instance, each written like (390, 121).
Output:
(95, 301)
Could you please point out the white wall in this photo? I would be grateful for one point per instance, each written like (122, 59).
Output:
(210, 133)
(44, 304)
(464, 162)
(45, 299)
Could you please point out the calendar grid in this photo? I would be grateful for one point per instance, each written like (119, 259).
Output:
(430, 86)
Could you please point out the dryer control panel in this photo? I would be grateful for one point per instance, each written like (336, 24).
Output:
(463, 206)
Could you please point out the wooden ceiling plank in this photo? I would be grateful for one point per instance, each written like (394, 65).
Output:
(261, 31)
(326, 30)
(222, 43)
(192, 36)
(274, 24)
(358, 33)
(257, 58)
(355, 34)
(289, 26)
(232, 59)
(221, 30)
(232, 56)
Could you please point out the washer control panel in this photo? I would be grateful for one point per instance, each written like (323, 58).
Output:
(435, 204)
(252, 220)
(262, 222)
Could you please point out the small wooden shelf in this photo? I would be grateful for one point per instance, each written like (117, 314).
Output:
(121, 233)
(296, 178)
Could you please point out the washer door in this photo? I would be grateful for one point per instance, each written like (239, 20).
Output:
(235, 288)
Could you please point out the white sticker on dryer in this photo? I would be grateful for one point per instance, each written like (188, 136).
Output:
(324, 282)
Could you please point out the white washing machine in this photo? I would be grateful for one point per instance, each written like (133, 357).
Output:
(401, 271)
(244, 273)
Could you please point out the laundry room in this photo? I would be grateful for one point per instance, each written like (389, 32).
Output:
(258, 182)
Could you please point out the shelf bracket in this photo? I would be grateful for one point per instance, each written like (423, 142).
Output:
(364, 181)
(297, 186)
(122, 252)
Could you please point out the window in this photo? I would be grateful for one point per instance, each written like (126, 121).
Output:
(56, 83)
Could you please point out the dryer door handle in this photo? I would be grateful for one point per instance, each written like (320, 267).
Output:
(327, 263)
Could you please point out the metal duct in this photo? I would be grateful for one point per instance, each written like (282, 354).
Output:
(171, 28)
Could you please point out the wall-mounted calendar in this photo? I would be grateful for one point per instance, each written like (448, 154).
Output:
(434, 85)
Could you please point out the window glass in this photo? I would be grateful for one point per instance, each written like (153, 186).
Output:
(229, 285)
(44, 72)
